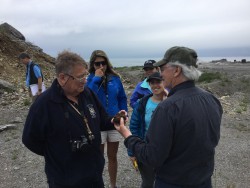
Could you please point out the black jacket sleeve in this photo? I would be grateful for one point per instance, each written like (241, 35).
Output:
(156, 147)
(34, 130)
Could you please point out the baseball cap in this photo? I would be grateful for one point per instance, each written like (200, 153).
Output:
(149, 64)
(155, 75)
(181, 54)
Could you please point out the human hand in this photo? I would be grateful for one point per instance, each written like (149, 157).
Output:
(121, 128)
(133, 159)
(99, 72)
(38, 93)
(134, 163)
(119, 115)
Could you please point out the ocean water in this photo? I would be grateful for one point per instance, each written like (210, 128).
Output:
(128, 62)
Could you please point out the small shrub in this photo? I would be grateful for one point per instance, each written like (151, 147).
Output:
(26, 102)
(14, 154)
(243, 106)
(245, 81)
(223, 84)
(245, 100)
(238, 110)
(242, 127)
(209, 77)
(225, 79)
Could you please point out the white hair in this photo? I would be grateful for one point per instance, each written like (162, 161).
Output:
(190, 72)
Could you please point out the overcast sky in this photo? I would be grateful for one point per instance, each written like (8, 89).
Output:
(132, 28)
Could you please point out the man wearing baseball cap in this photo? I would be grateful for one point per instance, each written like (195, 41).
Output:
(142, 88)
(184, 129)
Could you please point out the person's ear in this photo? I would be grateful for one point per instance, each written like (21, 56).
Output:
(62, 79)
(177, 71)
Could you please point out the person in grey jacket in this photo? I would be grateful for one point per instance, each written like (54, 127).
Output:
(184, 130)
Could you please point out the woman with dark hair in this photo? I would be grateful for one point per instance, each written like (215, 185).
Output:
(140, 121)
(106, 83)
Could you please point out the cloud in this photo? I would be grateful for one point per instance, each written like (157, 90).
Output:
(129, 27)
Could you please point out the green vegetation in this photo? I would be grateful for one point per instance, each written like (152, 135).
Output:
(14, 154)
(242, 127)
(243, 105)
(128, 68)
(208, 77)
(245, 81)
(26, 102)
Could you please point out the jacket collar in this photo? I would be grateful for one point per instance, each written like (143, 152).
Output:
(183, 85)
(145, 84)
(57, 93)
(143, 102)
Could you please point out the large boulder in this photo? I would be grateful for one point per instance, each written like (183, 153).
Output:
(5, 27)
(4, 85)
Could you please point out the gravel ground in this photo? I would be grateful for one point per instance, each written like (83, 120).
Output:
(22, 168)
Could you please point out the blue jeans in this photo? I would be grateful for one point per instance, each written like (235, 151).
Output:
(161, 184)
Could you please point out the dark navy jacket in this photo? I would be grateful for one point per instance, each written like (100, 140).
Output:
(182, 136)
(50, 126)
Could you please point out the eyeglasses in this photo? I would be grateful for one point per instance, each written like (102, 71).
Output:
(80, 79)
(98, 63)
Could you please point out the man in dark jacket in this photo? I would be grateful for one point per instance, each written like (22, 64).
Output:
(184, 130)
(64, 125)
(34, 76)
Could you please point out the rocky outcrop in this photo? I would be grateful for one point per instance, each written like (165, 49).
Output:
(12, 74)
(4, 85)
(6, 28)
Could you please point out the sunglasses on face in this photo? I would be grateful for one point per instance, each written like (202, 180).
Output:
(98, 63)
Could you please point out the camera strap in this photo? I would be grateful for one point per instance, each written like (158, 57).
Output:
(90, 134)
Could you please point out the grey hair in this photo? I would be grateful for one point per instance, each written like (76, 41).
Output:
(67, 60)
(190, 72)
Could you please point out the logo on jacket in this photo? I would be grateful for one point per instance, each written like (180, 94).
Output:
(91, 110)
